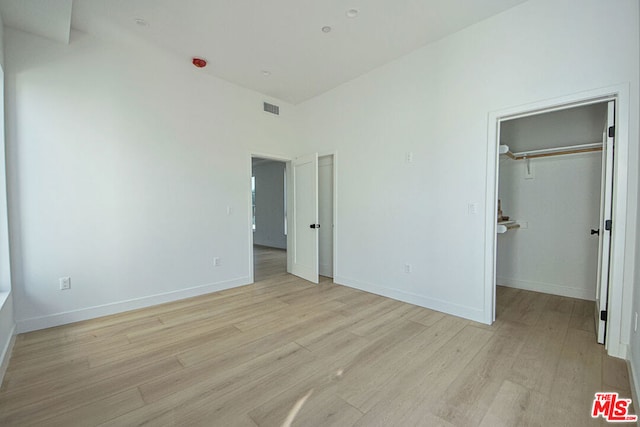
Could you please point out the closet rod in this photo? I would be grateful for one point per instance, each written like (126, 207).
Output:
(560, 151)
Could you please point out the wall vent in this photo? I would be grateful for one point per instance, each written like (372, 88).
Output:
(270, 108)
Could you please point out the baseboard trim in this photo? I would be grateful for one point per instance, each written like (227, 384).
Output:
(49, 321)
(634, 382)
(6, 353)
(469, 313)
(547, 288)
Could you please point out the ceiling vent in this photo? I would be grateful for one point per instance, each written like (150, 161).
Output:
(270, 108)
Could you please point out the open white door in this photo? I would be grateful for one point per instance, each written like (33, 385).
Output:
(604, 240)
(305, 218)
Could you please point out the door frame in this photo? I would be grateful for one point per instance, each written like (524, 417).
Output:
(289, 196)
(334, 251)
(320, 154)
(620, 287)
(287, 168)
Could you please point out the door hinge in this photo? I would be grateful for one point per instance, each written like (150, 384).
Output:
(603, 315)
(612, 131)
(607, 225)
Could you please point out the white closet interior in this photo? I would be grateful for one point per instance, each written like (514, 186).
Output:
(549, 190)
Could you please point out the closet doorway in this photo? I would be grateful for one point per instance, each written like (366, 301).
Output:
(555, 189)
(619, 301)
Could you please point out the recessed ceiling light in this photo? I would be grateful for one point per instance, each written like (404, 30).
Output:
(352, 13)
(266, 73)
(141, 22)
(326, 29)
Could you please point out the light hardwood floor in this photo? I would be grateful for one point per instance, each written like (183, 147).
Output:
(268, 262)
(249, 356)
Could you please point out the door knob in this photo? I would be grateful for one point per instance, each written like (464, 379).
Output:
(595, 231)
(314, 226)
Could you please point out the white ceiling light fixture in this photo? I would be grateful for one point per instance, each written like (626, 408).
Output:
(326, 29)
(266, 73)
(141, 22)
(352, 13)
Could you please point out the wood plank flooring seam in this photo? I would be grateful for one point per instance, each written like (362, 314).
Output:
(245, 356)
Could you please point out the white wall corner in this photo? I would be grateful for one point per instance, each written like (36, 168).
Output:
(470, 313)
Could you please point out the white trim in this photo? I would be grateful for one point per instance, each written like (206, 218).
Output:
(466, 312)
(5, 249)
(580, 99)
(633, 380)
(548, 288)
(57, 319)
(619, 307)
(6, 353)
(491, 213)
(335, 214)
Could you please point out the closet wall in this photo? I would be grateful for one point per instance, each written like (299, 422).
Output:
(557, 206)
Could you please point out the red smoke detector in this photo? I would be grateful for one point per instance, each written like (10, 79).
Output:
(199, 62)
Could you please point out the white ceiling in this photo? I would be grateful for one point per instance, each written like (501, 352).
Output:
(573, 126)
(45, 18)
(241, 38)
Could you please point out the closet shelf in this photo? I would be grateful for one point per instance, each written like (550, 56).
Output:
(504, 226)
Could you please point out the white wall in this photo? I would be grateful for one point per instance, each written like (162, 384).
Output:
(270, 205)
(561, 128)
(435, 104)
(560, 205)
(123, 162)
(634, 347)
(7, 319)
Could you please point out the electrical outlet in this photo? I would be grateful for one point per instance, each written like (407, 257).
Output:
(216, 262)
(65, 283)
(409, 157)
(407, 268)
